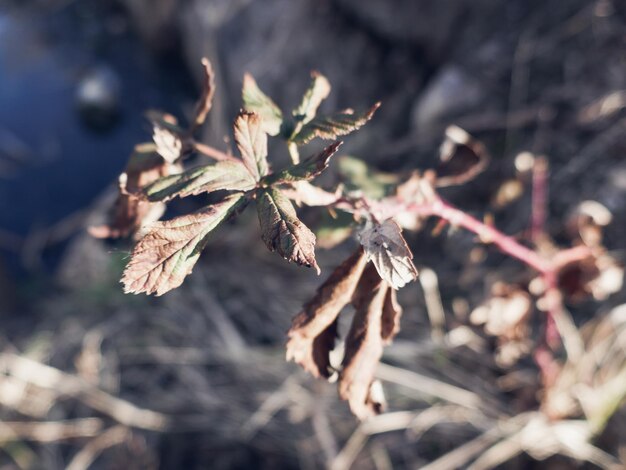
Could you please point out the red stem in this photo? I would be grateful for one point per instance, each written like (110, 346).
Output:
(487, 233)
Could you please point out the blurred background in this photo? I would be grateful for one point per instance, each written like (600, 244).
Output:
(91, 378)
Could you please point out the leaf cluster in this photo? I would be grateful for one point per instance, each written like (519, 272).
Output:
(168, 250)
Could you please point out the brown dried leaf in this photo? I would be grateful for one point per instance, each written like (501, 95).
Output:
(388, 250)
(129, 212)
(167, 253)
(206, 99)
(364, 346)
(282, 231)
(313, 331)
(169, 145)
(392, 312)
(462, 158)
(251, 141)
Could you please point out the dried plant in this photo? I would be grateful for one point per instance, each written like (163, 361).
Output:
(167, 251)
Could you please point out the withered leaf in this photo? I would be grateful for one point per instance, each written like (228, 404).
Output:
(167, 253)
(307, 169)
(166, 135)
(129, 212)
(168, 144)
(332, 126)
(314, 330)
(251, 141)
(282, 231)
(254, 100)
(317, 92)
(462, 158)
(364, 345)
(223, 175)
(390, 320)
(205, 103)
(386, 247)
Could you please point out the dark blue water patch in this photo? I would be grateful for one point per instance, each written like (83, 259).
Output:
(52, 161)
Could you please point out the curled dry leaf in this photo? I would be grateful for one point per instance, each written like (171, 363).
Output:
(168, 144)
(129, 212)
(392, 312)
(223, 175)
(364, 345)
(167, 253)
(204, 104)
(308, 169)
(314, 330)
(333, 126)
(254, 100)
(316, 93)
(462, 158)
(282, 231)
(598, 275)
(167, 135)
(251, 141)
(505, 315)
(386, 247)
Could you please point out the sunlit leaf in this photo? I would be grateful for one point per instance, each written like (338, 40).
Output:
(282, 231)
(332, 126)
(167, 253)
(251, 141)
(386, 247)
(317, 92)
(254, 100)
(223, 175)
(307, 169)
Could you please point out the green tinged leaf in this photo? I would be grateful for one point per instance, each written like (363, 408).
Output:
(357, 176)
(223, 175)
(307, 169)
(282, 231)
(254, 100)
(251, 141)
(167, 253)
(315, 94)
(332, 126)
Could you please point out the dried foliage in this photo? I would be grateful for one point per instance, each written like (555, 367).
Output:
(167, 253)
(129, 212)
(313, 331)
(364, 346)
(374, 206)
(282, 231)
(385, 246)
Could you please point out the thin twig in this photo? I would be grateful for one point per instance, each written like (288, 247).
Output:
(48, 377)
(88, 454)
(51, 431)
